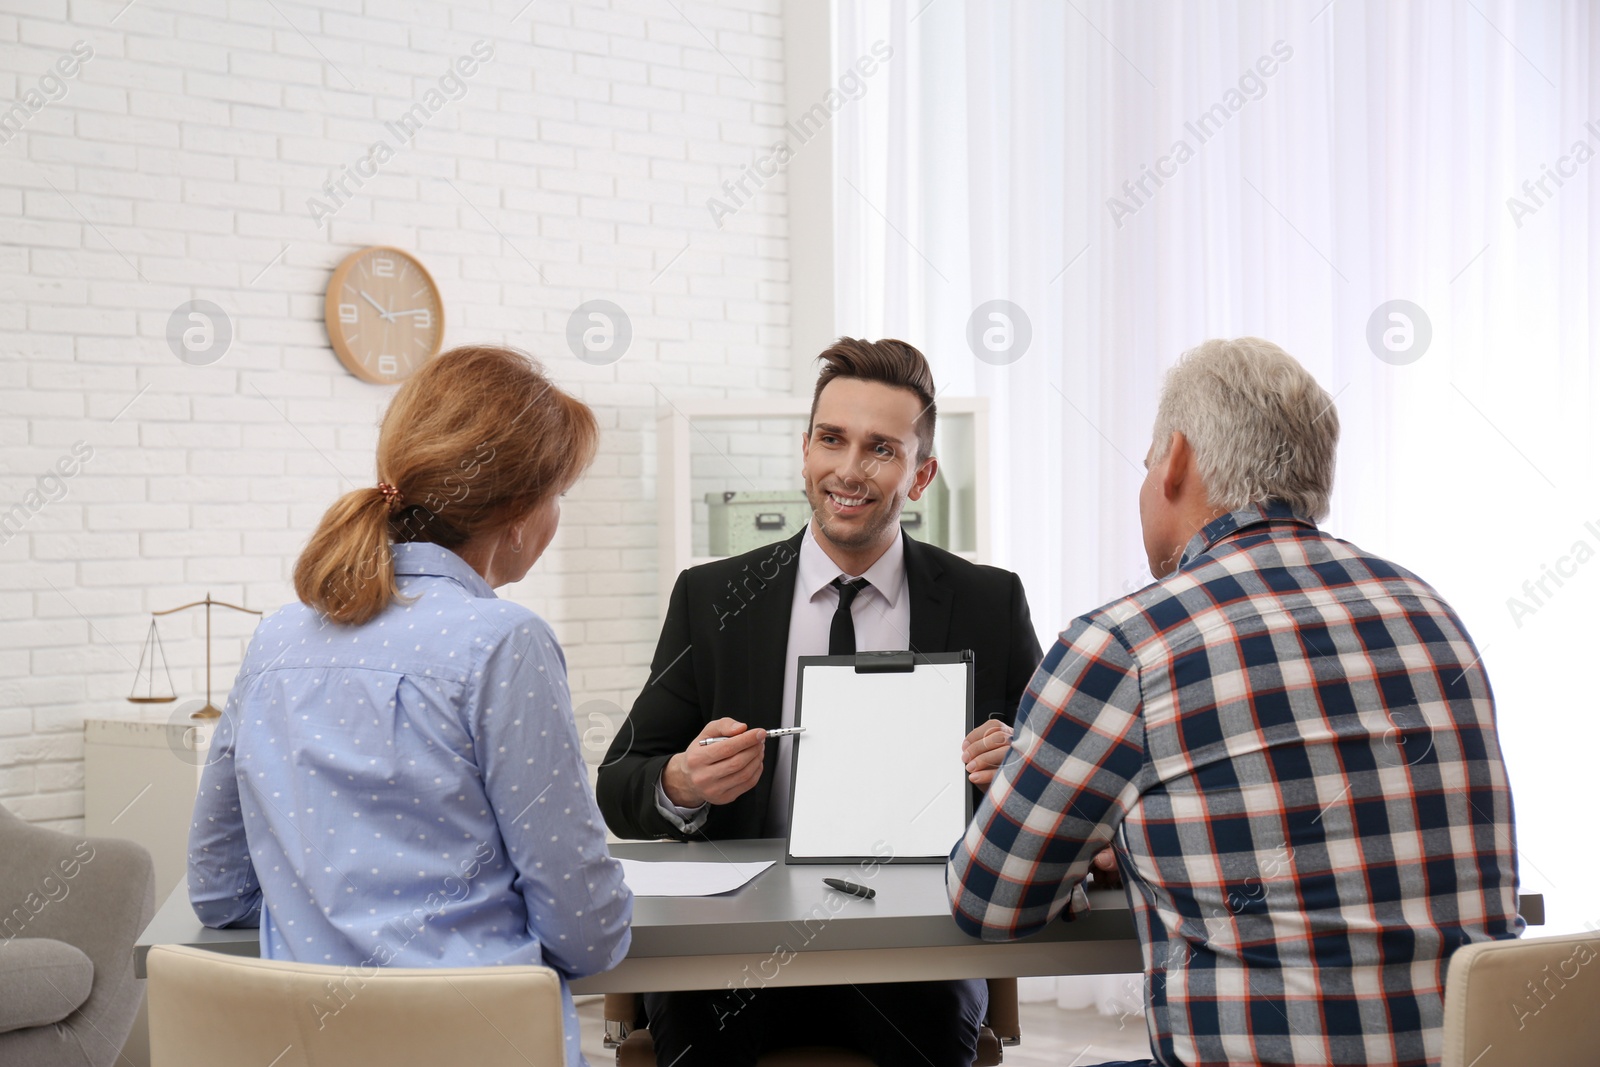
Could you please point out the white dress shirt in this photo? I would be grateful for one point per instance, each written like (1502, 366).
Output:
(882, 617)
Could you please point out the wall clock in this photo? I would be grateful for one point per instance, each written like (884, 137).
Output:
(384, 315)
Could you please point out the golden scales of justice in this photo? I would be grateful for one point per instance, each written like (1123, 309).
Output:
(154, 651)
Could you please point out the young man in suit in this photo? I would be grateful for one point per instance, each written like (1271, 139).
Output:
(726, 666)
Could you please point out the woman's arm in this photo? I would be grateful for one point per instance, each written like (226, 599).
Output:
(222, 881)
(527, 745)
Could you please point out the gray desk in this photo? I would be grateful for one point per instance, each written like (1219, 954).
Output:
(707, 942)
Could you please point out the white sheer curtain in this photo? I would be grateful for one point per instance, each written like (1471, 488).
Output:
(1350, 154)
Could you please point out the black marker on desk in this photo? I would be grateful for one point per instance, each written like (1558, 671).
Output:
(850, 887)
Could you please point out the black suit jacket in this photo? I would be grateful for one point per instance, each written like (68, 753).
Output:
(722, 652)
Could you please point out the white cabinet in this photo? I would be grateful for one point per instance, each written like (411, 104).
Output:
(139, 782)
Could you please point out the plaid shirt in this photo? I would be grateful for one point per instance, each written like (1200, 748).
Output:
(1291, 746)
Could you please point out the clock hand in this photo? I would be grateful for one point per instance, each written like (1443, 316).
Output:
(387, 315)
(413, 311)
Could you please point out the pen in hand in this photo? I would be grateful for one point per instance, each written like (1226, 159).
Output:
(784, 732)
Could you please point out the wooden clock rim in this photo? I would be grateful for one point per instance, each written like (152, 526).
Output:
(330, 312)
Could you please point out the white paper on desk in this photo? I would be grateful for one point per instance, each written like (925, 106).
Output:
(880, 762)
(683, 878)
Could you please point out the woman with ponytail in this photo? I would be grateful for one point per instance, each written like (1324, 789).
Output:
(396, 779)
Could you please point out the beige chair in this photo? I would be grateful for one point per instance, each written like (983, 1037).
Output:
(1533, 1002)
(207, 1008)
(626, 1032)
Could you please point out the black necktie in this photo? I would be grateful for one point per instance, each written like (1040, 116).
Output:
(842, 634)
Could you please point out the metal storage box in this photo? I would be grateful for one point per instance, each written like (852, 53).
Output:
(928, 520)
(741, 521)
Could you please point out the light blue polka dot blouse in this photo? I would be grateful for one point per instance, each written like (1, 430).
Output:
(409, 792)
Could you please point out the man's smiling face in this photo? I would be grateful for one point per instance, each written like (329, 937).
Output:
(860, 462)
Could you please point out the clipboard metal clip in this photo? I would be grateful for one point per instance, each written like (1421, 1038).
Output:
(885, 662)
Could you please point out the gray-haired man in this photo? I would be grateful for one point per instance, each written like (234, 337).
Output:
(1288, 743)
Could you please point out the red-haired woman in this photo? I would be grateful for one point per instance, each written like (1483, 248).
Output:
(397, 779)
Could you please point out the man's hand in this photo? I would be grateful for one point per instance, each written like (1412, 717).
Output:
(716, 774)
(984, 750)
(1106, 875)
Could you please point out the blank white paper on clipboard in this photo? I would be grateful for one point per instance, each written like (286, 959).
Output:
(879, 765)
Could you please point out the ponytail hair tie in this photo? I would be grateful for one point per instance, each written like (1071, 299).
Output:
(392, 495)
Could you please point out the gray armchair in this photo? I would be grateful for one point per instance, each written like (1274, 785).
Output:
(70, 911)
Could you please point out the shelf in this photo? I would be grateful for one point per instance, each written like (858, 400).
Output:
(713, 446)
(696, 561)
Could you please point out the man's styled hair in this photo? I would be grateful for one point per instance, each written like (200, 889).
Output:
(1260, 425)
(890, 362)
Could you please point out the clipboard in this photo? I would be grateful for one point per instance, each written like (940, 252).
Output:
(879, 769)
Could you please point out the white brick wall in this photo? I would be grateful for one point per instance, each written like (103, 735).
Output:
(177, 166)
